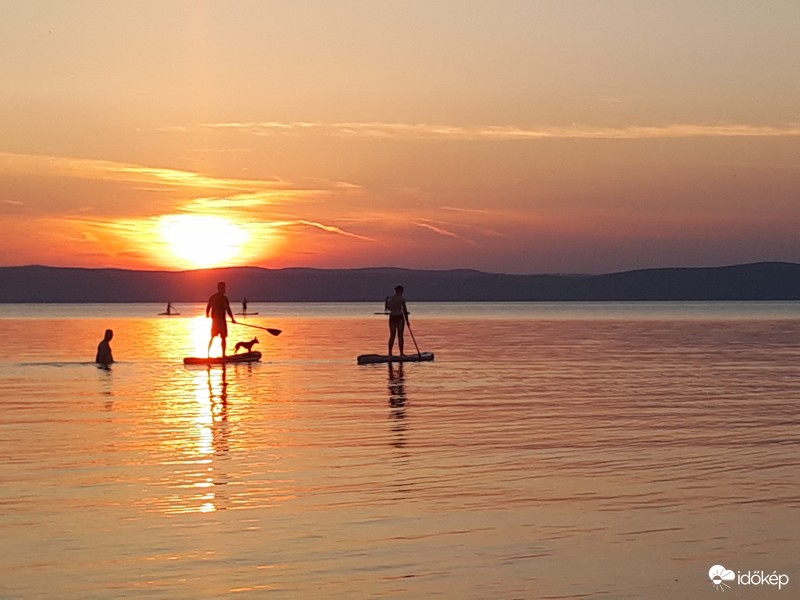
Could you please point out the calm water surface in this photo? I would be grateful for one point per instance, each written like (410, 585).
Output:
(550, 451)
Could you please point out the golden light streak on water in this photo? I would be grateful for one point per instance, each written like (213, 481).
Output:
(200, 329)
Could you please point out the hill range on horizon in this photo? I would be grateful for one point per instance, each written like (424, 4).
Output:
(756, 281)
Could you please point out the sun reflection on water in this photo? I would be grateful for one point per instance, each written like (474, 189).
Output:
(205, 427)
(200, 330)
(211, 396)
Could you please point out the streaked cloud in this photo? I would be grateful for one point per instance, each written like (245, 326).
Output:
(442, 231)
(503, 132)
(199, 192)
(109, 170)
(12, 207)
(321, 226)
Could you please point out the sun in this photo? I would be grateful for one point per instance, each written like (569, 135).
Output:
(203, 241)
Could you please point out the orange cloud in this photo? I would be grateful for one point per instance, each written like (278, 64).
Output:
(506, 132)
(108, 170)
(444, 232)
(321, 226)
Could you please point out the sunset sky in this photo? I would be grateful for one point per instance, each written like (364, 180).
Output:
(572, 136)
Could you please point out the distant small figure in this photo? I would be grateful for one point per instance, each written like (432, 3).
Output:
(104, 356)
(246, 345)
(218, 307)
(398, 316)
(244, 306)
(169, 308)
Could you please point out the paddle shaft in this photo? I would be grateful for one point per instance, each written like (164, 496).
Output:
(412, 335)
(271, 331)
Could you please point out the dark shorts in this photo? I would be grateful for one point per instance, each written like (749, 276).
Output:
(219, 327)
(397, 322)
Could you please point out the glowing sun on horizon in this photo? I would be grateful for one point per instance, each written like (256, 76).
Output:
(203, 241)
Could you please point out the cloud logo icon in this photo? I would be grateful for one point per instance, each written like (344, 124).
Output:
(719, 575)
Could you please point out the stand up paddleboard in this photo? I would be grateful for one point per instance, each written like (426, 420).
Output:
(371, 359)
(247, 314)
(245, 357)
(169, 314)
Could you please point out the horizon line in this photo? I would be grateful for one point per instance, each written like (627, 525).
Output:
(396, 268)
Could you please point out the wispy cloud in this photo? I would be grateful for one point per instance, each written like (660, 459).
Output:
(13, 207)
(321, 226)
(605, 100)
(477, 211)
(504, 132)
(201, 191)
(178, 178)
(441, 231)
(116, 171)
(241, 202)
(12, 202)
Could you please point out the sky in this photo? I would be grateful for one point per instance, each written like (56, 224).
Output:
(538, 136)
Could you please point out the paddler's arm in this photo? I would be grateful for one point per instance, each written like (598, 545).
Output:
(230, 312)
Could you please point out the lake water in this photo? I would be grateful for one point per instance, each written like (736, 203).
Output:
(550, 451)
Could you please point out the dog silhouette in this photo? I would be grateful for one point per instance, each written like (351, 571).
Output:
(246, 345)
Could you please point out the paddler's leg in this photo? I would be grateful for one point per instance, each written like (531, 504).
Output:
(223, 334)
(400, 327)
(392, 330)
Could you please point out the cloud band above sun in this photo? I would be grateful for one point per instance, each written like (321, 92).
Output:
(502, 132)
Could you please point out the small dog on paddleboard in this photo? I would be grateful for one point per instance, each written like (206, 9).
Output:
(246, 345)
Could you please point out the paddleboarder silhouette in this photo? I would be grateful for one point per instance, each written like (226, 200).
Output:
(398, 316)
(218, 307)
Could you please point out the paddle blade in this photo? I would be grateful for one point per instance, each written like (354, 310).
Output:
(272, 331)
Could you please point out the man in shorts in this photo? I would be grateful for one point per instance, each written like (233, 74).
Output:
(218, 307)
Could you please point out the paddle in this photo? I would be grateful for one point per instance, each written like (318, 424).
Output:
(272, 331)
(412, 336)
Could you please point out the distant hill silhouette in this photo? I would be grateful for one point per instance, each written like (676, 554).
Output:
(759, 281)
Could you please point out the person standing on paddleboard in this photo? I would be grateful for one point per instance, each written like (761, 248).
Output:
(218, 307)
(398, 315)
